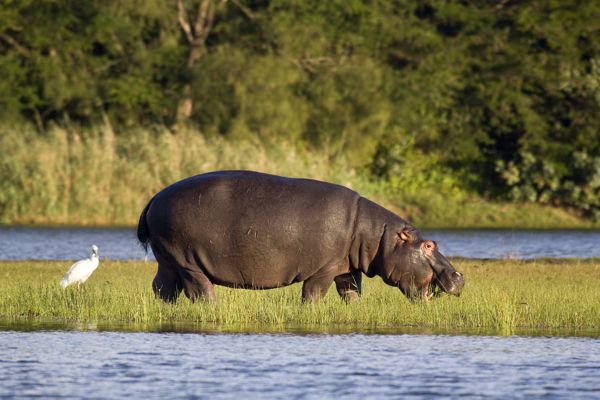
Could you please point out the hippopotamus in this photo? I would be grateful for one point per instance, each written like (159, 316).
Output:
(253, 230)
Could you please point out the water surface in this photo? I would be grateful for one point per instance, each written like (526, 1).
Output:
(518, 244)
(21, 243)
(41, 243)
(92, 364)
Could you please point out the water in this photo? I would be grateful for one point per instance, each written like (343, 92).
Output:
(52, 362)
(17, 243)
(175, 365)
(22, 243)
(520, 244)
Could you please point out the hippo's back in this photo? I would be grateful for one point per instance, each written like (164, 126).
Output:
(251, 229)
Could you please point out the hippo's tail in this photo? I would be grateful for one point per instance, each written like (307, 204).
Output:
(143, 234)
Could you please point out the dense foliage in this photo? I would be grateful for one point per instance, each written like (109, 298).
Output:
(498, 97)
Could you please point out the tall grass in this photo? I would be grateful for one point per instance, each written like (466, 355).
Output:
(94, 177)
(500, 296)
(98, 178)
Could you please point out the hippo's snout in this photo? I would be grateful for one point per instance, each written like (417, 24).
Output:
(451, 282)
(457, 283)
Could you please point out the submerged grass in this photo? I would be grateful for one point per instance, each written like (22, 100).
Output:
(501, 296)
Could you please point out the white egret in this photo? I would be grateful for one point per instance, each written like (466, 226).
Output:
(81, 270)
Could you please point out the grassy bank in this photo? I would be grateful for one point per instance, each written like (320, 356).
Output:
(500, 296)
(94, 177)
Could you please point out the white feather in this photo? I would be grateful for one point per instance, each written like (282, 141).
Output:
(81, 270)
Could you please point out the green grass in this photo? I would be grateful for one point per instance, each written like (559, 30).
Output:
(501, 297)
(94, 177)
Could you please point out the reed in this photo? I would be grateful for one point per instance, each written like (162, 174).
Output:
(94, 177)
(73, 176)
(500, 296)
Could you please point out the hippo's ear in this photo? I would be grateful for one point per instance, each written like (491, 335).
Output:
(407, 235)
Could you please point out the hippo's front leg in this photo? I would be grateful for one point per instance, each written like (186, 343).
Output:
(349, 285)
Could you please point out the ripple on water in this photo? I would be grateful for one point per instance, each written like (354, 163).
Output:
(175, 365)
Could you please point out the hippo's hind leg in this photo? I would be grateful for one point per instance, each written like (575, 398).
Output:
(196, 285)
(315, 287)
(166, 284)
(349, 285)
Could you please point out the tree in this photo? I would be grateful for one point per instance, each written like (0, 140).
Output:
(196, 32)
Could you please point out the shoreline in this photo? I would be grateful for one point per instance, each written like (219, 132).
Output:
(503, 297)
(28, 324)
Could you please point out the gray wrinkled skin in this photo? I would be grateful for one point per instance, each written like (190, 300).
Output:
(251, 230)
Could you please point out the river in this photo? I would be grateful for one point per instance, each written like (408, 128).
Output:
(19, 243)
(92, 364)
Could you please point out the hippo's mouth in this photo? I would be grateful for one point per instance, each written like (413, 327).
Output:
(436, 287)
(433, 290)
(450, 282)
